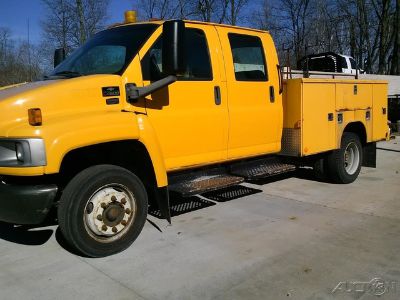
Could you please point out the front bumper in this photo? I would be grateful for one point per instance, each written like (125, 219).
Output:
(26, 204)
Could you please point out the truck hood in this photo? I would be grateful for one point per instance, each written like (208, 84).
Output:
(55, 98)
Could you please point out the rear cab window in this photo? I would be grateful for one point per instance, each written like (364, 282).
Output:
(248, 57)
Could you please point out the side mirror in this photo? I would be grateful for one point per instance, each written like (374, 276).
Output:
(59, 56)
(173, 52)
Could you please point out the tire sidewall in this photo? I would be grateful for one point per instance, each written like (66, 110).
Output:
(77, 194)
(347, 139)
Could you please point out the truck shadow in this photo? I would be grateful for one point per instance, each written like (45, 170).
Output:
(25, 235)
(301, 173)
(40, 234)
(182, 205)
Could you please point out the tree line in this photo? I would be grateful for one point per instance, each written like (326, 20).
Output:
(368, 30)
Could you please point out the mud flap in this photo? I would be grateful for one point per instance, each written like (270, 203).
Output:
(369, 159)
(162, 199)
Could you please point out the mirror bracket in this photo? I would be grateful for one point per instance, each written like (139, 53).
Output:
(133, 93)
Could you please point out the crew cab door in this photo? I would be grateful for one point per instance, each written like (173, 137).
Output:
(189, 117)
(254, 101)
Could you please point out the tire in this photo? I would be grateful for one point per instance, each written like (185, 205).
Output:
(102, 210)
(344, 164)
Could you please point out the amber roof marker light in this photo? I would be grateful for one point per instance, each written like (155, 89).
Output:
(130, 16)
(35, 116)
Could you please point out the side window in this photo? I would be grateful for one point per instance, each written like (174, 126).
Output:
(248, 57)
(353, 63)
(151, 62)
(197, 56)
(323, 64)
(342, 64)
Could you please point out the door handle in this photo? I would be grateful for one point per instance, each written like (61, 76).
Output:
(271, 94)
(217, 95)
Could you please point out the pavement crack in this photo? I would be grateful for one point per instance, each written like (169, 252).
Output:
(113, 279)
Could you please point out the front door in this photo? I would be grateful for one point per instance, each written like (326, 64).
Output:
(190, 117)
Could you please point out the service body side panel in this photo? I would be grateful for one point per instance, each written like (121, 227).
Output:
(320, 110)
(379, 112)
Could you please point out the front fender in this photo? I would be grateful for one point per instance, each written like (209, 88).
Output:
(107, 127)
(65, 133)
(148, 137)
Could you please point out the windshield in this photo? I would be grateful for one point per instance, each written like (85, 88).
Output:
(108, 52)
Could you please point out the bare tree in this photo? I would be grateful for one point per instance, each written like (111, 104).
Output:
(395, 66)
(365, 29)
(5, 34)
(19, 61)
(57, 24)
(218, 11)
(382, 10)
(289, 21)
(162, 9)
(81, 18)
(69, 23)
(236, 9)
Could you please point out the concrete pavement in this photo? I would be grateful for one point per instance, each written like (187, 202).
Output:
(294, 238)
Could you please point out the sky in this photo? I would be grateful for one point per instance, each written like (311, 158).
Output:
(15, 15)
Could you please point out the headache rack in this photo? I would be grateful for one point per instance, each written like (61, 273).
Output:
(288, 73)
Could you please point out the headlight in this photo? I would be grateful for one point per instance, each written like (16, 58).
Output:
(22, 153)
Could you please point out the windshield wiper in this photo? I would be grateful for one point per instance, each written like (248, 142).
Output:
(68, 74)
(63, 74)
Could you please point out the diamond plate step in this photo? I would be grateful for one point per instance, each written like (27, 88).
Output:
(201, 182)
(261, 168)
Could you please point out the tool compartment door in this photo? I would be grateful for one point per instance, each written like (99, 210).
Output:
(319, 117)
(379, 112)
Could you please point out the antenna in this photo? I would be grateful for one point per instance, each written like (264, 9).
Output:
(29, 54)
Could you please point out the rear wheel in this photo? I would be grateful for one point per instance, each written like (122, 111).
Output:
(345, 163)
(102, 210)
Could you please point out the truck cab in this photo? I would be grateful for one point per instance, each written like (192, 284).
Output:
(329, 62)
(145, 109)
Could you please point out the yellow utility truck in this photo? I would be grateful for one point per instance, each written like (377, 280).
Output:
(146, 109)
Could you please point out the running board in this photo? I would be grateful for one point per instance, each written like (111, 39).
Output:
(201, 182)
(261, 168)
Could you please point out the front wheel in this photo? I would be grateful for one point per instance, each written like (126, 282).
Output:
(102, 210)
(345, 163)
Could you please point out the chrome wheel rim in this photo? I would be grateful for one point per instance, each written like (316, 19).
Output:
(351, 158)
(109, 213)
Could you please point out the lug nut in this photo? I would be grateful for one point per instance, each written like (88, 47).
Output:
(104, 228)
(103, 205)
(123, 201)
(123, 223)
(114, 229)
(128, 211)
(114, 199)
(89, 208)
(100, 218)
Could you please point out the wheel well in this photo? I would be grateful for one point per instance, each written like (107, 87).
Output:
(130, 154)
(357, 128)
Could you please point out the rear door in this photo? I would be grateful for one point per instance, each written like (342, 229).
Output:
(190, 117)
(254, 102)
